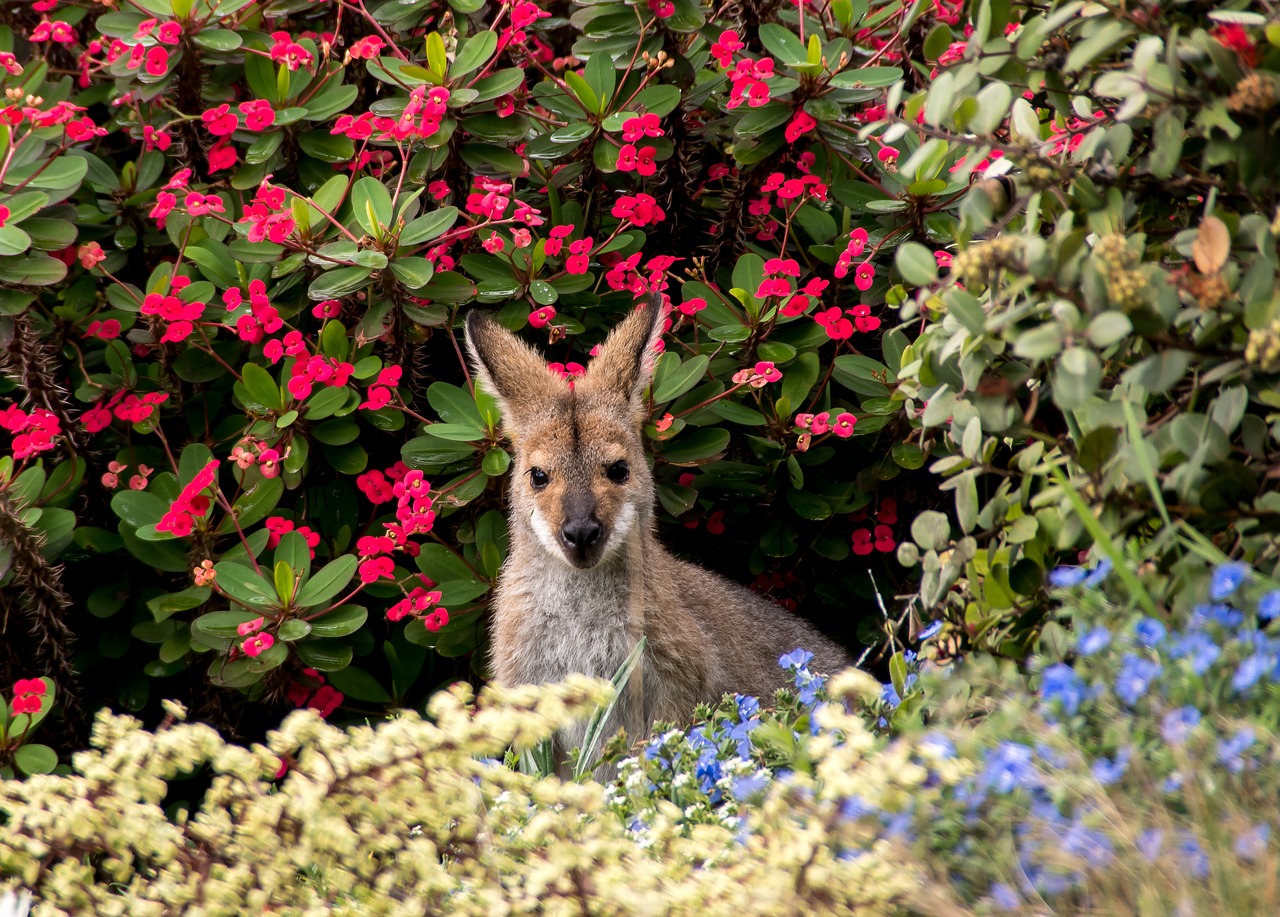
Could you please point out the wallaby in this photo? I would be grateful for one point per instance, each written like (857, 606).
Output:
(586, 575)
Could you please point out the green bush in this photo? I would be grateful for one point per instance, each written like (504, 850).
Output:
(409, 817)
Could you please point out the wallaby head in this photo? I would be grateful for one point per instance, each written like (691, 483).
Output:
(580, 480)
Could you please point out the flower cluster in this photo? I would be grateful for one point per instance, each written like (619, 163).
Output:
(192, 503)
(33, 431)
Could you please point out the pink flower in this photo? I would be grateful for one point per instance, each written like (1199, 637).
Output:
(494, 244)
(157, 60)
(436, 620)
(377, 568)
(857, 242)
(28, 696)
(801, 123)
(843, 427)
(248, 628)
(887, 155)
(864, 276)
(863, 320)
(768, 371)
(258, 114)
(220, 121)
(257, 644)
(692, 306)
(540, 318)
(269, 463)
(91, 253)
(820, 423)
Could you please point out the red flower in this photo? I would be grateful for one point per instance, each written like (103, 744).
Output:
(27, 696)
(257, 644)
(801, 123)
(864, 276)
(540, 318)
(377, 568)
(258, 114)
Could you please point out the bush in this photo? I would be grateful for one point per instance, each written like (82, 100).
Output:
(240, 240)
(408, 817)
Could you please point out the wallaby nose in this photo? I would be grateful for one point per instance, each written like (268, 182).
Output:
(581, 533)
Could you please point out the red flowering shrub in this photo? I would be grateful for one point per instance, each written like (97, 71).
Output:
(238, 241)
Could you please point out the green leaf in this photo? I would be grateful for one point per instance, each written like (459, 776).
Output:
(13, 241)
(429, 226)
(222, 624)
(602, 78)
(697, 447)
(324, 655)
(138, 508)
(244, 586)
(496, 462)
(371, 205)
(35, 270)
(254, 504)
(916, 264)
(474, 54)
(35, 759)
(342, 621)
(327, 582)
(413, 272)
(261, 386)
(675, 382)
(164, 606)
(339, 283)
(356, 682)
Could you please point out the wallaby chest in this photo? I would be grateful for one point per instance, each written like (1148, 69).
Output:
(552, 620)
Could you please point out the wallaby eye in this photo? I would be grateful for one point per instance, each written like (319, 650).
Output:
(618, 472)
(539, 478)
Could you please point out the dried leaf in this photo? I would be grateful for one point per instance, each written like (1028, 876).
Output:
(1212, 245)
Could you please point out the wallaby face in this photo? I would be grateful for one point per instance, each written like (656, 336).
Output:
(579, 476)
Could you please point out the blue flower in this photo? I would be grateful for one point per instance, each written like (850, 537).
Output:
(1193, 855)
(1066, 577)
(1136, 675)
(1199, 648)
(1089, 844)
(1231, 752)
(1177, 724)
(930, 631)
(796, 659)
(745, 787)
(1098, 573)
(854, 807)
(940, 745)
(1250, 670)
(1269, 607)
(1226, 579)
(1149, 843)
(889, 694)
(1252, 844)
(1061, 683)
(1108, 771)
(1149, 631)
(1004, 897)
(1008, 768)
(1217, 613)
(748, 706)
(1092, 641)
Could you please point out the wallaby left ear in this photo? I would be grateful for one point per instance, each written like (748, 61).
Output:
(626, 360)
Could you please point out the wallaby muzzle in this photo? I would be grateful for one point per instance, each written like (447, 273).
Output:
(581, 534)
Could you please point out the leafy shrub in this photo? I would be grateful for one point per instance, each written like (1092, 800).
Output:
(240, 239)
(409, 816)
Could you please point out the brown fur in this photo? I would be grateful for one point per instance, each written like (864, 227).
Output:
(563, 608)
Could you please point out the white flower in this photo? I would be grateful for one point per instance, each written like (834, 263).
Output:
(15, 904)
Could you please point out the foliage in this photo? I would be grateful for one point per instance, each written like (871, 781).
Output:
(412, 816)
(1099, 361)
(1131, 771)
(239, 242)
(29, 703)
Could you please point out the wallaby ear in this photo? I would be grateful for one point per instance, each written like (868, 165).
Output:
(626, 359)
(512, 371)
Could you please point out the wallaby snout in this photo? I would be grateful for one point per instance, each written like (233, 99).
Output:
(581, 530)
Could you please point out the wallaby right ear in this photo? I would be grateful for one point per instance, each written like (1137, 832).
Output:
(512, 371)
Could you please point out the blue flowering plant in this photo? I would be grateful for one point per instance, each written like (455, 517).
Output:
(1133, 768)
